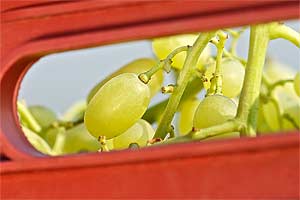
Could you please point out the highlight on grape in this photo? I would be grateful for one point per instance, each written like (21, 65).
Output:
(241, 97)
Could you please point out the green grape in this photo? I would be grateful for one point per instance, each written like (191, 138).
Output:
(285, 95)
(271, 116)
(232, 76)
(36, 141)
(162, 47)
(110, 144)
(78, 139)
(43, 115)
(297, 84)
(75, 112)
(187, 111)
(262, 126)
(139, 133)
(51, 134)
(293, 113)
(223, 136)
(117, 105)
(27, 119)
(137, 66)
(214, 110)
(276, 71)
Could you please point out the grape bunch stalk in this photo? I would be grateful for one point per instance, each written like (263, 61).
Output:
(242, 97)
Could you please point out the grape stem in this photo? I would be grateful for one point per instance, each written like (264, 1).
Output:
(184, 77)
(249, 99)
(279, 30)
(216, 85)
(291, 120)
(229, 126)
(193, 87)
(28, 117)
(103, 145)
(278, 83)
(165, 63)
(235, 37)
(230, 55)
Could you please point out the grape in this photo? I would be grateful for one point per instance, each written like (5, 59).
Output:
(137, 66)
(262, 126)
(271, 115)
(286, 95)
(213, 110)
(43, 115)
(187, 111)
(36, 141)
(51, 134)
(75, 112)
(117, 105)
(232, 76)
(294, 113)
(27, 119)
(275, 71)
(139, 133)
(78, 139)
(110, 144)
(297, 84)
(162, 47)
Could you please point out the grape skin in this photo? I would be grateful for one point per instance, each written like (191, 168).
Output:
(43, 115)
(232, 77)
(36, 141)
(262, 126)
(214, 110)
(78, 139)
(187, 112)
(137, 66)
(117, 106)
(75, 112)
(288, 100)
(139, 133)
(271, 115)
(51, 134)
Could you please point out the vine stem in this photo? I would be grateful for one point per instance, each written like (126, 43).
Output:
(194, 86)
(249, 98)
(279, 83)
(165, 63)
(279, 30)
(227, 127)
(216, 85)
(184, 77)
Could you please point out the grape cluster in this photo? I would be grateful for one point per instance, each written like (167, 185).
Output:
(116, 116)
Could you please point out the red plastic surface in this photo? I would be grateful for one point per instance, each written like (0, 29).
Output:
(258, 168)
(265, 167)
(29, 32)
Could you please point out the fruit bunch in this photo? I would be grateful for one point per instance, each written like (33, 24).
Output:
(241, 97)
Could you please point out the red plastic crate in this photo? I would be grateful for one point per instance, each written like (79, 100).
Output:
(265, 167)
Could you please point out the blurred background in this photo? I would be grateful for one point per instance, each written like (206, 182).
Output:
(59, 80)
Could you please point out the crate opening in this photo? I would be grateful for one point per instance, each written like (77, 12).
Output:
(55, 92)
